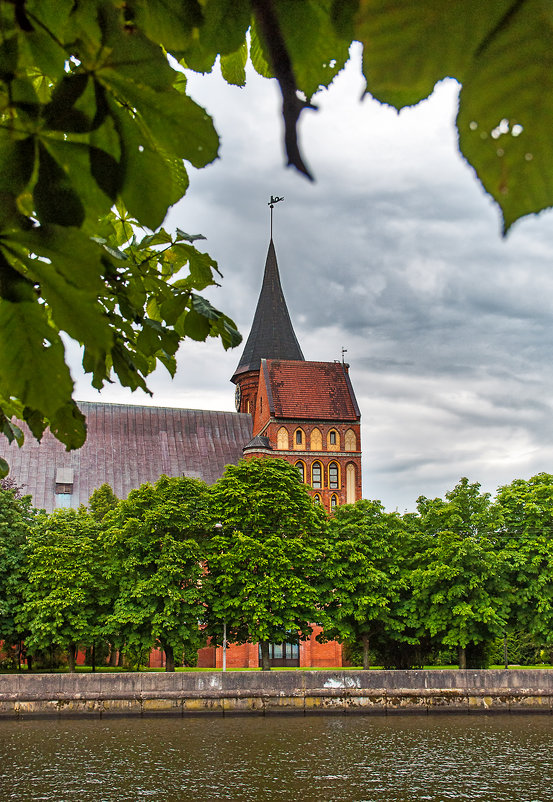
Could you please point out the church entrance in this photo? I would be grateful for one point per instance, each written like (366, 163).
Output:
(283, 655)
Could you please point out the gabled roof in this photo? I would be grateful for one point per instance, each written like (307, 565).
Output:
(272, 335)
(126, 446)
(317, 390)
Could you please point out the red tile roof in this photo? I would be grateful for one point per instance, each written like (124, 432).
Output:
(318, 390)
(128, 445)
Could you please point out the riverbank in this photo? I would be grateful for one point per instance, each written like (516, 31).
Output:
(299, 692)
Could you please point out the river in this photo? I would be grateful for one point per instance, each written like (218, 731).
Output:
(313, 759)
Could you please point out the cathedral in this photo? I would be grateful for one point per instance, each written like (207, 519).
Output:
(286, 407)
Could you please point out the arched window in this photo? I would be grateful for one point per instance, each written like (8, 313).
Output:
(301, 469)
(350, 483)
(333, 476)
(316, 440)
(316, 476)
(333, 502)
(282, 439)
(299, 440)
(317, 499)
(350, 440)
(333, 440)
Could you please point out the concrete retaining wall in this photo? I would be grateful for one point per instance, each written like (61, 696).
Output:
(333, 691)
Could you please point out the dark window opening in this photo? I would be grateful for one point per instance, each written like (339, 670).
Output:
(332, 438)
(299, 437)
(283, 654)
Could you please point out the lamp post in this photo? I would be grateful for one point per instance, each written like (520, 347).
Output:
(219, 529)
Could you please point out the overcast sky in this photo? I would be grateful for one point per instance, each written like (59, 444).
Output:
(394, 253)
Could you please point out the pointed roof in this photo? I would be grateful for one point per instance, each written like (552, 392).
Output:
(272, 335)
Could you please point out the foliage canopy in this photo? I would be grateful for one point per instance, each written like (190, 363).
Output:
(96, 127)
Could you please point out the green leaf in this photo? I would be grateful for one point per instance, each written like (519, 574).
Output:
(257, 54)
(409, 47)
(71, 291)
(172, 120)
(32, 362)
(195, 325)
(188, 237)
(68, 425)
(505, 113)
(152, 181)
(55, 198)
(4, 468)
(225, 25)
(168, 21)
(233, 66)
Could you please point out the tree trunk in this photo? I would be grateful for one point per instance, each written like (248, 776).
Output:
(265, 662)
(71, 656)
(169, 657)
(93, 656)
(462, 657)
(366, 658)
(120, 659)
(112, 656)
(29, 658)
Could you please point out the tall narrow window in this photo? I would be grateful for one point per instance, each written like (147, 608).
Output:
(333, 502)
(282, 439)
(350, 483)
(299, 437)
(301, 470)
(299, 440)
(333, 440)
(317, 499)
(333, 476)
(316, 476)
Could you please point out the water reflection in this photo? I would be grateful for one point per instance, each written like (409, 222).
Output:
(313, 759)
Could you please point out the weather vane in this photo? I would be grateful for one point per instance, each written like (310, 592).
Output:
(271, 205)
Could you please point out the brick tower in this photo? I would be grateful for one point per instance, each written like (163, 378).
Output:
(303, 412)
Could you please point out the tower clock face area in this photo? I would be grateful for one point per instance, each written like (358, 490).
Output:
(237, 397)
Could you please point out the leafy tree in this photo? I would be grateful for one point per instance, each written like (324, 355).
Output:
(94, 115)
(66, 596)
(16, 518)
(459, 589)
(102, 501)
(527, 511)
(263, 568)
(366, 569)
(153, 542)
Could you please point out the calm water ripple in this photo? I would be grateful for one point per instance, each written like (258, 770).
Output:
(313, 759)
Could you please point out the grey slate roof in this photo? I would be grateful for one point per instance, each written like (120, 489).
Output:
(126, 446)
(272, 335)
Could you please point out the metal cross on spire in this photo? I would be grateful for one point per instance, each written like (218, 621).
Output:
(271, 205)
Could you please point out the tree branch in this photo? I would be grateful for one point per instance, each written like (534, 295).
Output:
(292, 105)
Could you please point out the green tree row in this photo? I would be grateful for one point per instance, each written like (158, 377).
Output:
(178, 562)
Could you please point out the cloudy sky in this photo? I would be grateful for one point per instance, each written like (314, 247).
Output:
(394, 253)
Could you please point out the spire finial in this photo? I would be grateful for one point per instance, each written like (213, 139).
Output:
(271, 204)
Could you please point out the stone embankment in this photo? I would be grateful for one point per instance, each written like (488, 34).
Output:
(300, 692)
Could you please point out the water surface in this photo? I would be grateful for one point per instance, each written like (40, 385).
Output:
(311, 759)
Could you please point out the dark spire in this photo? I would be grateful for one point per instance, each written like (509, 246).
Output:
(271, 335)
